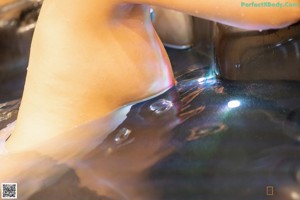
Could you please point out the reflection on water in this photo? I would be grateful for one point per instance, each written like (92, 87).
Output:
(185, 144)
(292, 124)
(205, 130)
(122, 135)
(161, 106)
(8, 111)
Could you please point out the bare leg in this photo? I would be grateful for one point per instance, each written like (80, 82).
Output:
(91, 57)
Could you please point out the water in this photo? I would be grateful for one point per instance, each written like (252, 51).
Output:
(292, 124)
(122, 135)
(197, 149)
(161, 106)
(188, 143)
(8, 114)
(8, 110)
(205, 130)
(258, 55)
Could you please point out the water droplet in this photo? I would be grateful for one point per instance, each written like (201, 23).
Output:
(161, 106)
(122, 135)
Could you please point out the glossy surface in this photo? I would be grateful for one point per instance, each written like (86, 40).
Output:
(17, 22)
(254, 55)
(218, 140)
(203, 139)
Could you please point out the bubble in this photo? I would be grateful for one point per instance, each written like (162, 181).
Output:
(161, 106)
(122, 135)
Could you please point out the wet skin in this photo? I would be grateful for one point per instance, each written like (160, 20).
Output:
(89, 58)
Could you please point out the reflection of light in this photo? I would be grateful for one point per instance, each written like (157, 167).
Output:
(295, 195)
(207, 80)
(233, 104)
(201, 80)
(152, 14)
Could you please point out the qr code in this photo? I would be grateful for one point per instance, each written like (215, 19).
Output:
(9, 191)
